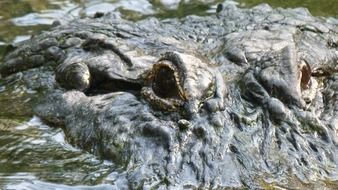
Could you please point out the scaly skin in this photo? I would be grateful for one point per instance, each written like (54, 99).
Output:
(244, 99)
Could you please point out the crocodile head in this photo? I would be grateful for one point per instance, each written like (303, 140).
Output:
(149, 95)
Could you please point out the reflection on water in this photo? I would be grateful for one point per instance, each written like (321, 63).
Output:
(38, 185)
(29, 17)
(32, 153)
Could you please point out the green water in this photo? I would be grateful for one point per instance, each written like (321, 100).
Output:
(35, 156)
(19, 19)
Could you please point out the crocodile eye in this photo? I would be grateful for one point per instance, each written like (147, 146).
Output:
(305, 75)
(165, 84)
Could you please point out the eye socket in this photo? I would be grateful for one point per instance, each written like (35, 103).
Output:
(164, 83)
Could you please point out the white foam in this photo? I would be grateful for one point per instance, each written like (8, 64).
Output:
(35, 121)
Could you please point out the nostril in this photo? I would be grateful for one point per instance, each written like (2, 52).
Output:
(307, 100)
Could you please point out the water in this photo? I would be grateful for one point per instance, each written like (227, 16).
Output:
(32, 151)
(19, 19)
(36, 156)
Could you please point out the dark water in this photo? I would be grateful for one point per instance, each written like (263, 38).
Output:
(35, 156)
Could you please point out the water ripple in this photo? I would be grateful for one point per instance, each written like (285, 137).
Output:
(33, 150)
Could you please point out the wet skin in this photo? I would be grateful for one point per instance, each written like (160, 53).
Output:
(175, 82)
(244, 99)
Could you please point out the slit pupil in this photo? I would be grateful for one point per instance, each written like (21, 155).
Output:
(164, 83)
(306, 76)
